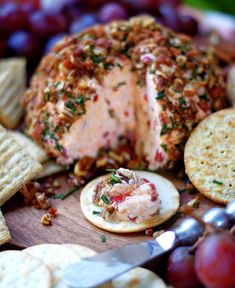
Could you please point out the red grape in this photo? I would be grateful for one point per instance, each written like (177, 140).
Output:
(170, 17)
(24, 44)
(12, 18)
(189, 25)
(112, 11)
(28, 8)
(180, 270)
(85, 21)
(47, 23)
(3, 48)
(52, 41)
(215, 261)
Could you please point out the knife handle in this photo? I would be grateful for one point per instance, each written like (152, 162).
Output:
(189, 231)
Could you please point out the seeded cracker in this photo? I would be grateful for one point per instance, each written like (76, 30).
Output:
(12, 87)
(4, 232)
(57, 257)
(37, 152)
(17, 167)
(21, 270)
(210, 156)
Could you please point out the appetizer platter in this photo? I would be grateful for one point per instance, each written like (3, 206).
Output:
(124, 131)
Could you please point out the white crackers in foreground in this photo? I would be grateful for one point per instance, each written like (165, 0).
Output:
(17, 167)
(12, 87)
(4, 232)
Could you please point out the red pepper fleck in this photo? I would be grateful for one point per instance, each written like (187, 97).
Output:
(117, 199)
(145, 97)
(132, 219)
(68, 65)
(153, 197)
(152, 186)
(145, 180)
(148, 123)
(158, 156)
(126, 113)
(106, 134)
(96, 97)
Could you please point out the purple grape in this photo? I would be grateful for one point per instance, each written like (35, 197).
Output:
(85, 21)
(189, 25)
(112, 11)
(52, 41)
(12, 18)
(47, 23)
(169, 17)
(28, 8)
(3, 48)
(24, 44)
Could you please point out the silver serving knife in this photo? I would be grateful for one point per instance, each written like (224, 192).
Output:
(101, 268)
(106, 266)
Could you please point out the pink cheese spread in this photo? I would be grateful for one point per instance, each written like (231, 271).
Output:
(124, 196)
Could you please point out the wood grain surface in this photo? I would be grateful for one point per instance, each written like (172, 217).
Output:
(71, 227)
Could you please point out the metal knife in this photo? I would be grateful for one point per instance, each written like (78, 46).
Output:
(101, 268)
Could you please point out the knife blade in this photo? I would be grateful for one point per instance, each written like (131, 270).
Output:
(103, 267)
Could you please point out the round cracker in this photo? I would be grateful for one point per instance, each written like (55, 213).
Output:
(21, 270)
(136, 278)
(210, 156)
(82, 251)
(168, 195)
(57, 257)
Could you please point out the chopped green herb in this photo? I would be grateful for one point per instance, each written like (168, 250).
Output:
(114, 179)
(65, 195)
(181, 102)
(102, 238)
(160, 95)
(110, 111)
(97, 59)
(80, 100)
(164, 129)
(121, 84)
(95, 212)
(70, 106)
(205, 97)
(111, 170)
(105, 199)
(47, 96)
(119, 66)
(57, 127)
(164, 147)
(173, 123)
(57, 84)
(217, 182)
(140, 83)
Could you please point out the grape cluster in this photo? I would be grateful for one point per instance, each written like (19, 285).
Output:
(211, 265)
(28, 30)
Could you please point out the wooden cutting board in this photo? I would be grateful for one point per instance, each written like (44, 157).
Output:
(71, 227)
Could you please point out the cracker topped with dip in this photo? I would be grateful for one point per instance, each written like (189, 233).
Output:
(129, 201)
